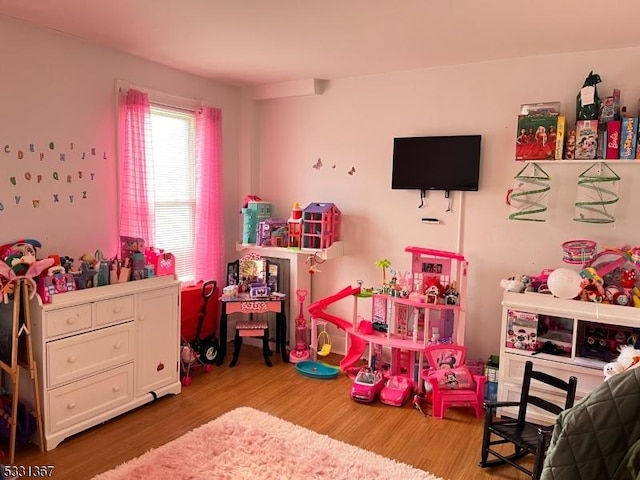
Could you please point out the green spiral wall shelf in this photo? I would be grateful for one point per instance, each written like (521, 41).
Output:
(527, 198)
(597, 194)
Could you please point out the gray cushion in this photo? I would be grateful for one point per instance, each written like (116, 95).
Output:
(592, 439)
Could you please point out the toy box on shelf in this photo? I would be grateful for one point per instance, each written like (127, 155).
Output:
(628, 138)
(586, 139)
(536, 137)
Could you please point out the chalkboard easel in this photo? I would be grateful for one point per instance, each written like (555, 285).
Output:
(20, 354)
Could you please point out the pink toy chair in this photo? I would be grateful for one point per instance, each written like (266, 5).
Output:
(452, 384)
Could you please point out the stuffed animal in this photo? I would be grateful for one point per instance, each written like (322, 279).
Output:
(629, 357)
(516, 284)
(27, 267)
(636, 296)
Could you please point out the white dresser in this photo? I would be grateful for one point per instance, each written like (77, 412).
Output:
(103, 351)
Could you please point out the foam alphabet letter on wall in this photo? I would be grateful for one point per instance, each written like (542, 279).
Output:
(55, 176)
(55, 198)
(52, 145)
(62, 157)
(39, 178)
(84, 194)
(41, 156)
(17, 197)
(68, 178)
(27, 176)
(6, 148)
(70, 198)
(32, 147)
(1, 207)
(20, 154)
(36, 203)
(12, 180)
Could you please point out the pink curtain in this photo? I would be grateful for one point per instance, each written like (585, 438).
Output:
(209, 222)
(137, 215)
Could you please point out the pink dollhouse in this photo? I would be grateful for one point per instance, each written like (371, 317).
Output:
(405, 322)
(320, 225)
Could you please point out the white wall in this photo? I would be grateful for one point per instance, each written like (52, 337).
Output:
(61, 89)
(353, 125)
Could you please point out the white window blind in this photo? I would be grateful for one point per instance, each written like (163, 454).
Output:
(173, 138)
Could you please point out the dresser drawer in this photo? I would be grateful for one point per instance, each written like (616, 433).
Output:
(513, 371)
(114, 310)
(68, 320)
(85, 399)
(81, 355)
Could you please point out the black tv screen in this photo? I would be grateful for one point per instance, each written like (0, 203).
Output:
(436, 163)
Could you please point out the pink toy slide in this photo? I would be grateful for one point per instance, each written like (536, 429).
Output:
(356, 344)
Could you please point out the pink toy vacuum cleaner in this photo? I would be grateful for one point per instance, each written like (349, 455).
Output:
(301, 352)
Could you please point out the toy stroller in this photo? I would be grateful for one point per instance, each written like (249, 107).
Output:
(199, 351)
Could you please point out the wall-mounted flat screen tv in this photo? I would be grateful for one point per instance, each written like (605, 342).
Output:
(436, 163)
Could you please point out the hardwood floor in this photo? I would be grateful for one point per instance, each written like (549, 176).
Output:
(448, 448)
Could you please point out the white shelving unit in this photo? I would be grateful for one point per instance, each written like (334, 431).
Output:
(584, 336)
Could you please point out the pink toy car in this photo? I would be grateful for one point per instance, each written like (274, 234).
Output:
(367, 385)
(396, 390)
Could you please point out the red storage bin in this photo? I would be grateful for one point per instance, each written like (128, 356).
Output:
(191, 301)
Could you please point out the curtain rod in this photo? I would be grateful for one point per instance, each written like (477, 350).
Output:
(156, 96)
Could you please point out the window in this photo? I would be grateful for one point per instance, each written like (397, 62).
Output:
(170, 178)
(173, 140)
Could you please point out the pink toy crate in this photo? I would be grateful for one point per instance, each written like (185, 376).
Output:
(164, 263)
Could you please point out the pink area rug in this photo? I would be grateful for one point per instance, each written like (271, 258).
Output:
(248, 444)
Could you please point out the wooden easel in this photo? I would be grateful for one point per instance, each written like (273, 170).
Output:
(19, 357)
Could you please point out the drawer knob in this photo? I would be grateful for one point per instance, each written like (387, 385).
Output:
(117, 346)
(71, 320)
(71, 405)
(117, 309)
(141, 317)
(116, 389)
(72, 359)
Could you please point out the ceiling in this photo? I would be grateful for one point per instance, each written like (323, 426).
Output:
(255, 42)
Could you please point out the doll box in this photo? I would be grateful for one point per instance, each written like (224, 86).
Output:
(586, 139)
(612, 146)
(628, 138)
(536, 137)
(522, 330)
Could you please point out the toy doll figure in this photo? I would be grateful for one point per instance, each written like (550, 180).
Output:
(570, 147)
(541, 135)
